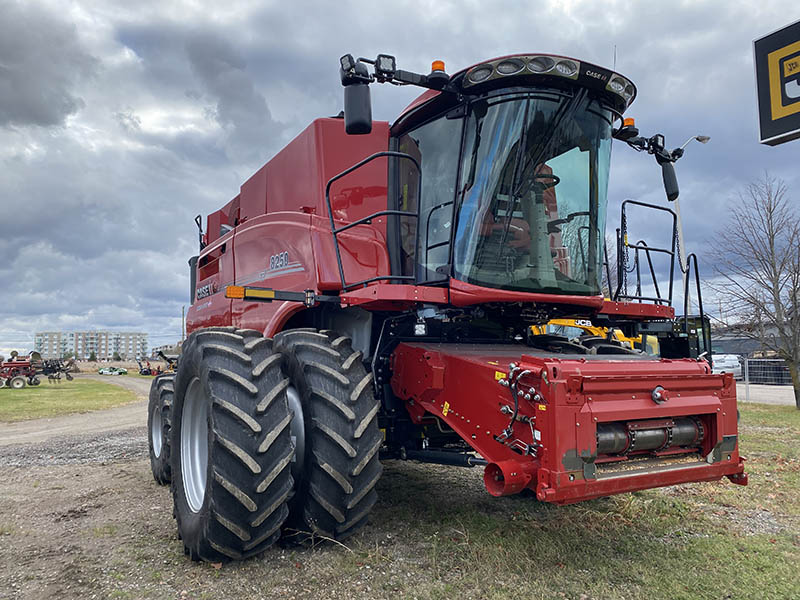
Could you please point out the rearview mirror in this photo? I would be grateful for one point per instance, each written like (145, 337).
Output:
(670, 180)
(357, 109)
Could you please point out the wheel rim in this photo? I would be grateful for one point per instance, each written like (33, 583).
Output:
(297, 430)
(155, 431)
(194, 445)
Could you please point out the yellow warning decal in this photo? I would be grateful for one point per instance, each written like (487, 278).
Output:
(498, 375)
(542, 407)
(445, 409)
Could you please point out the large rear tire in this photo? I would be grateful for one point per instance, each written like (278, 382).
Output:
(336, 485)
(231, 449)
(2, 382)
(159, 424)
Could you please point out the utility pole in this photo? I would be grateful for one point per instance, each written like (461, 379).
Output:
(183, 323)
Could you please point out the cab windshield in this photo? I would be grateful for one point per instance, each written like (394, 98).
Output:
(532, 193)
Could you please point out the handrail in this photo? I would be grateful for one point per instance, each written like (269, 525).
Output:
(623, 247)
(364, 220)
(642, 245)
(706, 333)
(430, 247)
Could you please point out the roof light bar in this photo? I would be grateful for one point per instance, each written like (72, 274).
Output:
(552, 66)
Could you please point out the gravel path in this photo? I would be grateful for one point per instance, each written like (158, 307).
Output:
(113, 419)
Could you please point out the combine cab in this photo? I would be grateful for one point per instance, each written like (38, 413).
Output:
(370, 295)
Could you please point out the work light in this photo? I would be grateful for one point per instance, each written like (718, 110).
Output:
(385, 66)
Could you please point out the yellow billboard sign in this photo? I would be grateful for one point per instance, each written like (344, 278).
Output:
(777, 66)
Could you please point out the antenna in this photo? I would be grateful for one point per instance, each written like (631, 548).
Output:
(614, 68)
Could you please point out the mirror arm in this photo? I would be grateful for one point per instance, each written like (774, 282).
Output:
(655, 146)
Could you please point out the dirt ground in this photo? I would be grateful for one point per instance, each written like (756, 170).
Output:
(82, 518)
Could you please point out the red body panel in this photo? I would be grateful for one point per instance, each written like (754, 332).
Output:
(295, 178)
(459, 385)
(281, 216)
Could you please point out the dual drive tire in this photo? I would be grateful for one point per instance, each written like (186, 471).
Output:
(270, 439)
(159, 424)
(230, 445)
(338, 466)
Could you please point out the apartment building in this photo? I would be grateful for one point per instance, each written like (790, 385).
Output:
(168, 349)
(128, 344)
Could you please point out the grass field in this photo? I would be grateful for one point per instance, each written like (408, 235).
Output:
(50, 400)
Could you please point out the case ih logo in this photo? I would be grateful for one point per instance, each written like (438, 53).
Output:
(206, 290)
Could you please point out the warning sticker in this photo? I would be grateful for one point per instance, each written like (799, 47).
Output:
(445, 409)
(498, 375)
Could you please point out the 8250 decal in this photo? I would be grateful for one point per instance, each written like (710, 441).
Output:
(279, 261)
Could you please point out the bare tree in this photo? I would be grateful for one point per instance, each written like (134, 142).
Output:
(757, 257)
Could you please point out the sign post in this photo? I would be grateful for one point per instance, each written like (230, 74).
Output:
(777, 63)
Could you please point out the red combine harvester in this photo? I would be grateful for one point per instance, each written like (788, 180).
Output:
(370, 293)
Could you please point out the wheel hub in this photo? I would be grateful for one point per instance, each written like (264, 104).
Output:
(156, 432)
(194, 445)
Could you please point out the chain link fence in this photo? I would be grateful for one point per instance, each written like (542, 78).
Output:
(765, 380)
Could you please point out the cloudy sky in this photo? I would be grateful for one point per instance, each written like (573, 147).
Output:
(120, 121)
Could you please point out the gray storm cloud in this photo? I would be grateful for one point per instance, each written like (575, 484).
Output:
(41, 64)
(240, 109)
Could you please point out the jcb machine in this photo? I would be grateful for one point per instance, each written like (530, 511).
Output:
(370, 292)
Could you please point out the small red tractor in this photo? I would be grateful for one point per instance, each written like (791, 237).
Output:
(370, 295)
(18, 372)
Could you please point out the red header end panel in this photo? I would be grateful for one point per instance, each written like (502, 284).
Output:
(582, 428)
